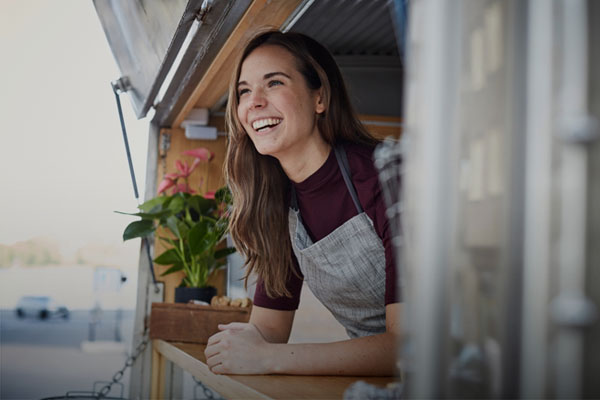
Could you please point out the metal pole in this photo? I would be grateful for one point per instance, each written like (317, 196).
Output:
(538, 196)
(432, 77)
(571, 310)
(116, 90)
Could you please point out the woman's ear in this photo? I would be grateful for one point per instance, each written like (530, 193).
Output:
(319, 99)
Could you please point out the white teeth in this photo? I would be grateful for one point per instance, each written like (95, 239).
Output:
(261, 123)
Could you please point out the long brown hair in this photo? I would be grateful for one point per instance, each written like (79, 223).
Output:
(260, 188)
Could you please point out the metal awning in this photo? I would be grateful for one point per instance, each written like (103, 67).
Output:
(164, 48)
(160, 44)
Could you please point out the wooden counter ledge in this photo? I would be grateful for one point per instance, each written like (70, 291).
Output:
(190, 357)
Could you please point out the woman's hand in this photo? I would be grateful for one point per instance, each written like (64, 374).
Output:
(238, 349)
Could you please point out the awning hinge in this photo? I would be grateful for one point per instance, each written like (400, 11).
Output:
(204, 10)
(121, 85)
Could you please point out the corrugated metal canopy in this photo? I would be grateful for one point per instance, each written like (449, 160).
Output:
(365, 42)
(351, 27)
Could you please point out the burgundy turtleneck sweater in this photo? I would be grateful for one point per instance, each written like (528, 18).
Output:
(325, 204)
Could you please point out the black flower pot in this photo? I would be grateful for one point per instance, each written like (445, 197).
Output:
(185, 294)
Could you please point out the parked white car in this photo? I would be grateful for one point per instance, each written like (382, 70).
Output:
(40, 307)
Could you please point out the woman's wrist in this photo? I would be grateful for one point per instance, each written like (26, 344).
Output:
(273, 359)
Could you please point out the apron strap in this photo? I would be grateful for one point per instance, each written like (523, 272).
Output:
(294, 199)
(342, 159)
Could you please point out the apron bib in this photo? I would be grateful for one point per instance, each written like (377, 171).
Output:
(346, 269)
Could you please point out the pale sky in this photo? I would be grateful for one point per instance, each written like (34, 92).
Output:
(63, 168)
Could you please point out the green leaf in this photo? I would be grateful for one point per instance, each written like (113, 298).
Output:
(183, 229)
(223, 195)
(137, 229)
(224, 252)
(201, 205)
(149, 215)
(199, 238)
(172, 223)
(169, 257)
(177, 204)
(174, 268)
(156, 202)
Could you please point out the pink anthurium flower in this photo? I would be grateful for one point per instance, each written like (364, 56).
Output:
(165, 184)
(209, 195)
(195, 164)
(183, 168)
(183, 188)
(172, 176)
(200, 153)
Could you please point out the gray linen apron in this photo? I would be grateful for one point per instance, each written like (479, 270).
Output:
(346, 269)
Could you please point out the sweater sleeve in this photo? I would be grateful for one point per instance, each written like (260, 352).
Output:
(294, 285)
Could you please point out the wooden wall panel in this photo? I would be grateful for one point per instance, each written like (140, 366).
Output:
(382, 126)
(211, 177)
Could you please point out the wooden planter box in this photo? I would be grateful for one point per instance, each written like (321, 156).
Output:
(192, 323)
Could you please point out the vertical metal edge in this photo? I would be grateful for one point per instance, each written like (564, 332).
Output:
(569, 306)
(428, 162)
(538, 197)
(140, 376)
(512, 261)
(173, 380)
(591, 366)
(398, 9)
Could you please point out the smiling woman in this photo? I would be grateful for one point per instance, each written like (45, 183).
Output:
(307, 206)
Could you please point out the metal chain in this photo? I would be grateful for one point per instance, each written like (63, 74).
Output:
(208, 392)
(128, 363)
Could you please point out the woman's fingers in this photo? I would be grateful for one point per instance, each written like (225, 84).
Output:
(233, 325)
(214, 359)
(211, 351)
(218, 369)
(214, 339)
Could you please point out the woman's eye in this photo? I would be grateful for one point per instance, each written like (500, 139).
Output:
(275, 83)
(242, 91)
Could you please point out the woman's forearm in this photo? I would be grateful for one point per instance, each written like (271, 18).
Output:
(369, 355)
(241, 348)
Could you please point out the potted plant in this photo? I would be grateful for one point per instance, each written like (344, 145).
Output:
(193, 226)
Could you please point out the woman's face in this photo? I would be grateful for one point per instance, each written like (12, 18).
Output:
(276, 107)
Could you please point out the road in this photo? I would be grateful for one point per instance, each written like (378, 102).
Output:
(45, 358)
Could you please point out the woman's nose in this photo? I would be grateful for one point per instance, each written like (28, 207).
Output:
(257, 99)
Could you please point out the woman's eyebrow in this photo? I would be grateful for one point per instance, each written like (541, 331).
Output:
(272, 74)
(266, 76)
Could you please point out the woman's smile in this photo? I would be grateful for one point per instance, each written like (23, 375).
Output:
(265, 125)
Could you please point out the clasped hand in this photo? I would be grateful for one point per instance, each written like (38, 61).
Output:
(238, 349)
